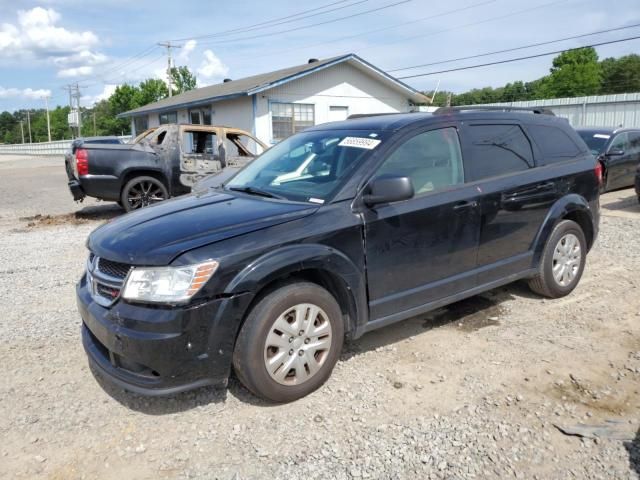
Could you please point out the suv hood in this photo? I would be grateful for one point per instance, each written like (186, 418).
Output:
(157, 235)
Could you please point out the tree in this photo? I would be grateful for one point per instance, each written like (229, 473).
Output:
(151, 90)
(182, 79)
(574, 73)
(620, 75)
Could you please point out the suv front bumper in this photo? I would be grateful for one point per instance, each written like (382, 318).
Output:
(160, 350)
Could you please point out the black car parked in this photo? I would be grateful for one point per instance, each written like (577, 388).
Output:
(334, 232)
(618, 150)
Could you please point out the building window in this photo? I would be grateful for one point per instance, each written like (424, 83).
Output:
(140, 124)
(290, 118)
(169, 117)
(200, 117)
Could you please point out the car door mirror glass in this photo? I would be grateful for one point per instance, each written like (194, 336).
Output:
(388, 189)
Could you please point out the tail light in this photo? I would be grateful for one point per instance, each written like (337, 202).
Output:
(599, 171)
(82, 161)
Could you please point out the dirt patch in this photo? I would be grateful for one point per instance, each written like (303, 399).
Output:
(82, 217)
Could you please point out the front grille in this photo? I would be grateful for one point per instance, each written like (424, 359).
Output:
(107, 292)
(114, 269)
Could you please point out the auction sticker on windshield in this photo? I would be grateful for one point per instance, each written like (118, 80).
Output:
(359, 142)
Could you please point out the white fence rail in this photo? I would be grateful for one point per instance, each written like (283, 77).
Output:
(59, 147)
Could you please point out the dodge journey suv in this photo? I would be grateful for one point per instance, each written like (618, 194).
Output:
(334, 232)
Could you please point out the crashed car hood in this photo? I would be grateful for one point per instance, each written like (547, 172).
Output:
(157, 235)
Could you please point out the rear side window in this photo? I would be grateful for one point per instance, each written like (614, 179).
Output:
(498, 150)
(554, 144)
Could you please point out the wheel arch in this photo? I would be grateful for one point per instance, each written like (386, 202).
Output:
(319, 264)
(571, 207)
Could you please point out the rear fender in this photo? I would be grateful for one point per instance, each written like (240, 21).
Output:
(562, 208)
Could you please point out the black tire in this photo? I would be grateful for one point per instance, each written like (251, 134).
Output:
(141, 192)
(545, 283)
(249, 356)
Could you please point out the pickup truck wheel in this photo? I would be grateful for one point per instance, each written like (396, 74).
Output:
(562, 261)
(141, 192)
(289, 343)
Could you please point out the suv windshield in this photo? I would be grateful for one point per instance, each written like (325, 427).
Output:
(307, 167)
(595, 141)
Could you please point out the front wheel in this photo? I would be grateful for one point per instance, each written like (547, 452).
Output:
(562, 261)
(289, 343)
(141, 192)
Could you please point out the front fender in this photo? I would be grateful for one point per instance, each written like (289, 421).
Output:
(296, 258)
(567, 205)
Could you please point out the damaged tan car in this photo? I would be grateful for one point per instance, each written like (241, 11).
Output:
(160, 163)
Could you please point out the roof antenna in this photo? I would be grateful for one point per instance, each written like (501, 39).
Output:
(434, 93)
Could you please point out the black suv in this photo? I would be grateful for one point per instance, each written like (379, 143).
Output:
(336, 231)
(618, 151)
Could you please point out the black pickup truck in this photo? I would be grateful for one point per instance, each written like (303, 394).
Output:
(161, 163)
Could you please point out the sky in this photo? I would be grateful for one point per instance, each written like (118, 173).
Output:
(48, 44)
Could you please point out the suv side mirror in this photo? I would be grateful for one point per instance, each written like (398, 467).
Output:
(615, 152)
(388, 189)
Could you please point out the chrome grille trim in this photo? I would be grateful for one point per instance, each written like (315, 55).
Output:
(98, 281)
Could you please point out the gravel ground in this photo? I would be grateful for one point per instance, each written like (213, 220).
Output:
(474, 390)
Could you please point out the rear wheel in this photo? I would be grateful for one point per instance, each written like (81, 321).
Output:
(141, 192)
(289, 343)
(562, 261)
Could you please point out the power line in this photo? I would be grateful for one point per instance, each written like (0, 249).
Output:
(346, 17)
(278, 21)
(377, 30)
(515, 48)
(499, 62)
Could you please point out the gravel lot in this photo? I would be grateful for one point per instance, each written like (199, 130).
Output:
(470, 391)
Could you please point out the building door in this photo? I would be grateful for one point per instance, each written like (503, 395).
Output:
(337, 114)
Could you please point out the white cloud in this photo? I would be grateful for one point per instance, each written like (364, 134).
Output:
(212, 67)
(75, 71)
(24, 93)
(107, 91)
(36, 36)
(186, 50)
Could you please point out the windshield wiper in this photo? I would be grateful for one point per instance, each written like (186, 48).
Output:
(256, 191)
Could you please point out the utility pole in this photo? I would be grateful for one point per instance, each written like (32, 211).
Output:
(22, 130)
(46, 103)
(75, 117)
(169, 46)
(29, 125)
(94, 123)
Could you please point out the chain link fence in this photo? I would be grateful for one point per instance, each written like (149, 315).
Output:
(59, 147)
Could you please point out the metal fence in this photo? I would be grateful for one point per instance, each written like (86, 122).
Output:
(59, 147)
(620, 110)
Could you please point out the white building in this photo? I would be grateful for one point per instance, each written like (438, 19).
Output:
(274, 105)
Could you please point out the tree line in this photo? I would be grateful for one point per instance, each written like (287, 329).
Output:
(573, 73)
(101, 119)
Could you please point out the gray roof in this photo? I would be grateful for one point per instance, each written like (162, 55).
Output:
(257, 83)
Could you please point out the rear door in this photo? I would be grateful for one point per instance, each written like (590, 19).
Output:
(515, 196)
(422, 249)
(620, 169)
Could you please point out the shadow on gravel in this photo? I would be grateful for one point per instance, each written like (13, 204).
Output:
(633, 448)
(181, 402)
(629, 204)
(465, 316)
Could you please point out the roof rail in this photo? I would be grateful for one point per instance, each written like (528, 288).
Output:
(365, 115)
(494, 108)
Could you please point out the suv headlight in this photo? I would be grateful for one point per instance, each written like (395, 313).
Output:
(167, 284)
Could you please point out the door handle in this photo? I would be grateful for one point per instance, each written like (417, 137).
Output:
(464, 206)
